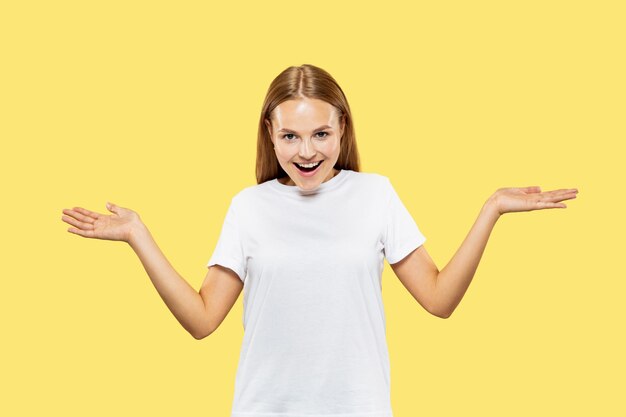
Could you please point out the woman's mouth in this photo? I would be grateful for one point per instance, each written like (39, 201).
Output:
(308, 170)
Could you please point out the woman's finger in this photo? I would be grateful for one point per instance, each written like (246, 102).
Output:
(83, 233)
(564, 191)
(69, 214)
(561, 191)
(549, 204)
(87, 212)
(81, 215)
(77, 223)
(565, 195)
(112, 207)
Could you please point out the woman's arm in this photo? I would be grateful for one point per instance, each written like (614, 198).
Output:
(454, 279)
(183, 301)
(199, 313)
(441, 292)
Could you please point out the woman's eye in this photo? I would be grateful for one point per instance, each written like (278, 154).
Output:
(289, 135)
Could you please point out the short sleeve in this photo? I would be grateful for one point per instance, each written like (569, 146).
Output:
(228, 251)
(401, 235)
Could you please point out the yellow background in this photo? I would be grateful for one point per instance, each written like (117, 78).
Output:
(154, 106)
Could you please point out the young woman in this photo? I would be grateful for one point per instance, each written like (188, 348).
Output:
(306, 244)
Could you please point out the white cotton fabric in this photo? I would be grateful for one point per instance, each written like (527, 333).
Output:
(314, 340)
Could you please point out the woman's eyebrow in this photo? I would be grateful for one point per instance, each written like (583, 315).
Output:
(293, 131)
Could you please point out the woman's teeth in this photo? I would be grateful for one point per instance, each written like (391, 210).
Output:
(308, 167)
(311, 165)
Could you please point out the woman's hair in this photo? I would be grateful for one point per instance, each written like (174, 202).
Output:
(305, 81)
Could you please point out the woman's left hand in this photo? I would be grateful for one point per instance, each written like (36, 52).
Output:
(508, 200)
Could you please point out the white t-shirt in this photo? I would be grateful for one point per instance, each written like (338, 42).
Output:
(314, 340)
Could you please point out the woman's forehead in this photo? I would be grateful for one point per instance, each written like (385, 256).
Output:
(305, 113)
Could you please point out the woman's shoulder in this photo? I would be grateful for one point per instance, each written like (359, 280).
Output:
(251, 192)
(370, 178)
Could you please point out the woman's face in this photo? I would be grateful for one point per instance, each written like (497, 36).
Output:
(306, 131)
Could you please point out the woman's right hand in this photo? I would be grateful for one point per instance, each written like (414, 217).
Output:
(116, 226)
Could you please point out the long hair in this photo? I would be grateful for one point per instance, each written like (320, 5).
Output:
(305, 81)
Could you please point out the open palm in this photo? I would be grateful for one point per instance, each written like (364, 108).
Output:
(531, 198)
(116, 226)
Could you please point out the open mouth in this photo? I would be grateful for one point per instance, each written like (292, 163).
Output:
(308, 167)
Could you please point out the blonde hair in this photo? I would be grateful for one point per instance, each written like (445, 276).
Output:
(305, 81)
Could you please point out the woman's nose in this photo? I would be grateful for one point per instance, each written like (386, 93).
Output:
(306, 149)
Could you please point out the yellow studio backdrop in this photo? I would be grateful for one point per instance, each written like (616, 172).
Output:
(154, 106)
